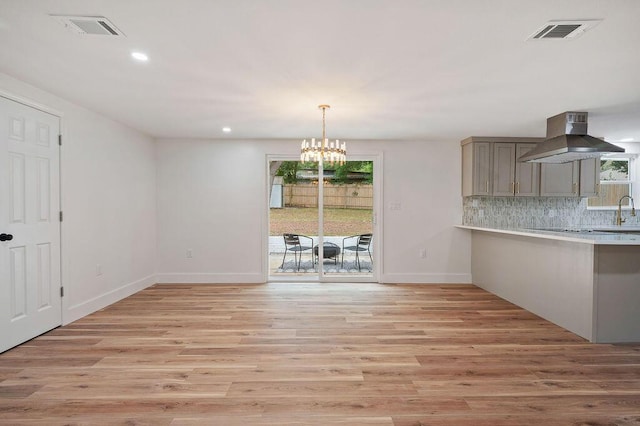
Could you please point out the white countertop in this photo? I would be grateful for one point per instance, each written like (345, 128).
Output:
(585, 237)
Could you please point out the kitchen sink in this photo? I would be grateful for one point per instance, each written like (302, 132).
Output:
(618, 229)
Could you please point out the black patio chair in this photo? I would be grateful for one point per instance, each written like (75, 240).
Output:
(292, 243)
(363, 243)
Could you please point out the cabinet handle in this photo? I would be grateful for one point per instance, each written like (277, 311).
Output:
(486, 184)
(513, 187)
(575, 188)
(517, 187)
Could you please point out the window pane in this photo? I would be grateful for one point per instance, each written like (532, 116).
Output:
(614, 170)
(610, 194)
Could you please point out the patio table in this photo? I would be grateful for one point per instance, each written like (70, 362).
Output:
(330, 251)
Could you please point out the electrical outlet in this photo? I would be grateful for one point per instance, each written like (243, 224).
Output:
(423, 253)
(98, 269)
(189, 253)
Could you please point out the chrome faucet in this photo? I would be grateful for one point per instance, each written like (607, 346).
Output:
(619, 219)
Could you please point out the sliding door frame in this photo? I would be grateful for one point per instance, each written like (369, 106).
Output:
(377, 242)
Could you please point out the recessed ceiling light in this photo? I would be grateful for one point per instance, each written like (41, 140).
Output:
(226, 129)
(139, 56)
(626, 140)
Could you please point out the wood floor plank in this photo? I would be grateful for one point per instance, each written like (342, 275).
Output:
(558, 405)
(312, 389)
(290, 420)
(506, 387)
(317, 354)
(517, 420)
(17, 391)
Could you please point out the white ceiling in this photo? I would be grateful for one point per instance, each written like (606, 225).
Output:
(390, 69)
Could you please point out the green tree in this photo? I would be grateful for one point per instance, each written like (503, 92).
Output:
(342, 171)
(611, 166)
(289, 169)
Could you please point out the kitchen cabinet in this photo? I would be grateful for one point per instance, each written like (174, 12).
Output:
(590, 177)
(513, 178)
(559, 180)
(490, 167)
(476, 168)
(579, 178)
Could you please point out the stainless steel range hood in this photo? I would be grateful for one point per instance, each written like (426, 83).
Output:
(567, 140)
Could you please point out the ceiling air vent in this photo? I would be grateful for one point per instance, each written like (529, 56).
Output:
(561, 30)
(92, 25)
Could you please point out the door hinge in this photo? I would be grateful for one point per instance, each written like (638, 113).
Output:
(60, 215)
(61, 291)
(60, 140)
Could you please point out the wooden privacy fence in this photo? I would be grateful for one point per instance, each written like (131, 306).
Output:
(351, 196)
(609, 195)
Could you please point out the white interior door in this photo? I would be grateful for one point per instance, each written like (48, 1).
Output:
(30, 300)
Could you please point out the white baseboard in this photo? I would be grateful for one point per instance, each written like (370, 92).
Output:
(209, 278)
(230, 278)
(92, 305)
(426, 278)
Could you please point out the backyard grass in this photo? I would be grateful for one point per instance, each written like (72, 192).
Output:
(302, 220)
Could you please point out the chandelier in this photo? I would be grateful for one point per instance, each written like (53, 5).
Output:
(323, 151)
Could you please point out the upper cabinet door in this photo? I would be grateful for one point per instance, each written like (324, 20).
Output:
(527, 175)
(590, 177)
(559, 179)
(476, 169)
(504, 155)
(482, 169)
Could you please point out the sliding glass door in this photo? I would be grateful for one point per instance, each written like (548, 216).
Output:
(347, 220)
(321, 221)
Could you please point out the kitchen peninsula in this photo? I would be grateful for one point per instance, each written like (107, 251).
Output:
(586, 282)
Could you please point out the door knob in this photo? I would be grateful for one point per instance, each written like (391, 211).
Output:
(6, 237)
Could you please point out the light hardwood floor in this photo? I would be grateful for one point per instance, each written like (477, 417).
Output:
(317, 354)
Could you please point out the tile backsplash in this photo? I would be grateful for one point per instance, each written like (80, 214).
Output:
(534, 212)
